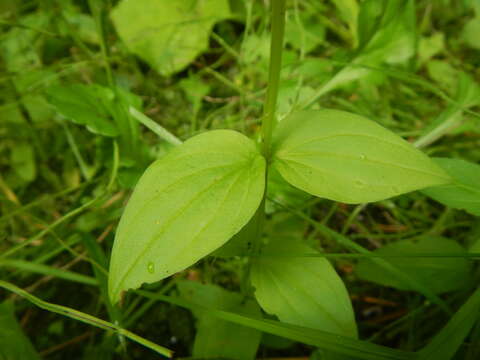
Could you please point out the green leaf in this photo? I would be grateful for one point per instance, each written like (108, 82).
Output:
(444, 74)
(430, 46)
(464, 192)
(468, 95)
(441, 274)
(218, 338)
(186, 205)
(348, 158)
(475, 248)
(391, 41)
(168, 35)
(23, 161)
(470, 33)
(302, 291)
(13, 343)
(349, 10)
(85, 105)
(306, 32)
(356, 349)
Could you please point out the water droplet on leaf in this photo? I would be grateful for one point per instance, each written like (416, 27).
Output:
(151, 267)
(362, 157)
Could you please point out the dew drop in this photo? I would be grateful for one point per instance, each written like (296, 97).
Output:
(362, 157)
(151, 267)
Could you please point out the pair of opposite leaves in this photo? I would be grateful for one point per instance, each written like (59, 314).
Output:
(193, 200)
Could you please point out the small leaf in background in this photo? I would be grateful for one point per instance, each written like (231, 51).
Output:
(290, 94)
(393, 42)
(349, 10)
(430, 46)
(301, 290)
(217, 338)
(82, 24)
(348, 158)
(256, 51)
(195, 89)
(168, 35)
(306, 33)
(464, 192)
(472, 29)
(85, 105)
(468, 95)
(470, 33)
(186, 205)
(22, 159)
(440, 274)
(444, 74)
(13, 342)
(475, 248)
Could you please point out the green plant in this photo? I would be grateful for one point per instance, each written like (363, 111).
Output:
(213, 187)
(267, 217)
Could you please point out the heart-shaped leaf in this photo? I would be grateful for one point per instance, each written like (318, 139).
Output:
(302, 290)
(186, 205)
(346, 157)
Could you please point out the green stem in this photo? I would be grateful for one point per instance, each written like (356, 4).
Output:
(276, 47)
(268, 122)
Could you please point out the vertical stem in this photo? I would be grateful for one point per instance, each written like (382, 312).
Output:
(97, 12)
(276, 47)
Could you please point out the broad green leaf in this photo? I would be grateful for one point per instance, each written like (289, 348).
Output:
(445, 344)
(348, 158)
(300, 290)
(241, 243)
(168, 35)
(464, 192)
(186, 205)
(85, 105)
(354, 348)
(441, 274)
(13, 342)
(218, 338)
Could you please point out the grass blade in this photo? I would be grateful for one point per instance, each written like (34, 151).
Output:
(86, 318)
(446, 343)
